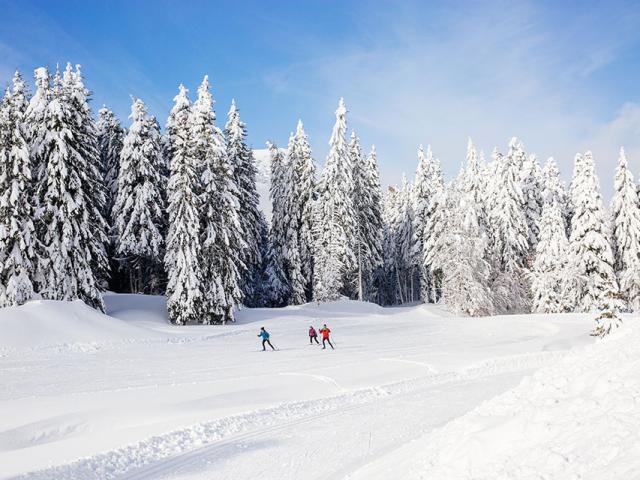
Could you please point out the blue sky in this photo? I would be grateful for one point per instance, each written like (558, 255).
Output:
(562, 76)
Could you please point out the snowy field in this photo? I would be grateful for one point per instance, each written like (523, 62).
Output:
(408, 393)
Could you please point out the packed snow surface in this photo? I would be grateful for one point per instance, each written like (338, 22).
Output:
(409, 392)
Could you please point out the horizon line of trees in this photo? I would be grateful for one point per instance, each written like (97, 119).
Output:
(87, 205)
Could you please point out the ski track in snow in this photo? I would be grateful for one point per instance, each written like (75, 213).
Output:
(158, 455)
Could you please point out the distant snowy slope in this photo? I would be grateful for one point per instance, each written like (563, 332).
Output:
(578, 418)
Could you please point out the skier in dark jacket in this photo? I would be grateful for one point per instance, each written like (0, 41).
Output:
(313, 335)
(265, 339)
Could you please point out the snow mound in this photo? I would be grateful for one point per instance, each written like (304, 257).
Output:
(44, 323)
(578, 418)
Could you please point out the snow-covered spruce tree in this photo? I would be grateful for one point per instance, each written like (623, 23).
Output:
(388, 290)
(461, 255)
(532, 190)
(328, 274)
(290, 227)
(17, 236)
(403, 225)
(303, 186)
(84, 131)
(553, 188)
(509, 232)
(550, 267)
(222, 244)
(244, 175)
(36, 131)
(138, 211)
(366, 202)
(625, 209)
(261, 297)
(591, 253)
(373, 234)
(336, 215)
(608, 317)
(183, 249)
(424, 188)
(110, 138)
(64, 227)
(277, 278)
(434, 228)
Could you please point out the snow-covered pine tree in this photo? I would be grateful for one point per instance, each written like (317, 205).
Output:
(36, 131)
(434, 228)
(509, 232)
(625, 209)
(64, 226)
(373, 234)
(423, 189)
(303, 183)
(461, 254)
(336, 213)
(388, 290)
(532, 189)
(261, 296)
(290, 225)
(84, 131)
(279, 289)
(403, 225)
(608, 317)
(366, 201)
(244, 175)
(553, 188)
(551, 266)
(17, 236)
(139, 207)
(222, 241)
(183, 248)
(592, 257)
(110, 137)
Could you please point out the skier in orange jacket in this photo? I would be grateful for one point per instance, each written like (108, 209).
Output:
(325, 336)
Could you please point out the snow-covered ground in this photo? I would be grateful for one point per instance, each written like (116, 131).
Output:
(408, 393)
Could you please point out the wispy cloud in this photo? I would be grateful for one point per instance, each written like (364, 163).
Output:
(489, 73)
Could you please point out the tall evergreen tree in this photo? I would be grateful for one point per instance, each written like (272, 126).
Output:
(303, 192)
(592, 257)
(139, 207)
(244, 176)
(183, 248)
(64, 227)
(291, 229)
(17, 237)
(424, 191)
(532, 192)
(84, 131)
(110, 139)
(336, 214)
(222, 241)
(550, 267)
(510, 232)
(366, 202)
(461, 256)
(625, 209)
(276, 275)
(553, 188)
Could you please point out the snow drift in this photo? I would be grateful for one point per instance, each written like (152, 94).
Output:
(43, 323)
(578, 418)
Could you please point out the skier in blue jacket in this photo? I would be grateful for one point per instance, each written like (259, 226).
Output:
(265, 339)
